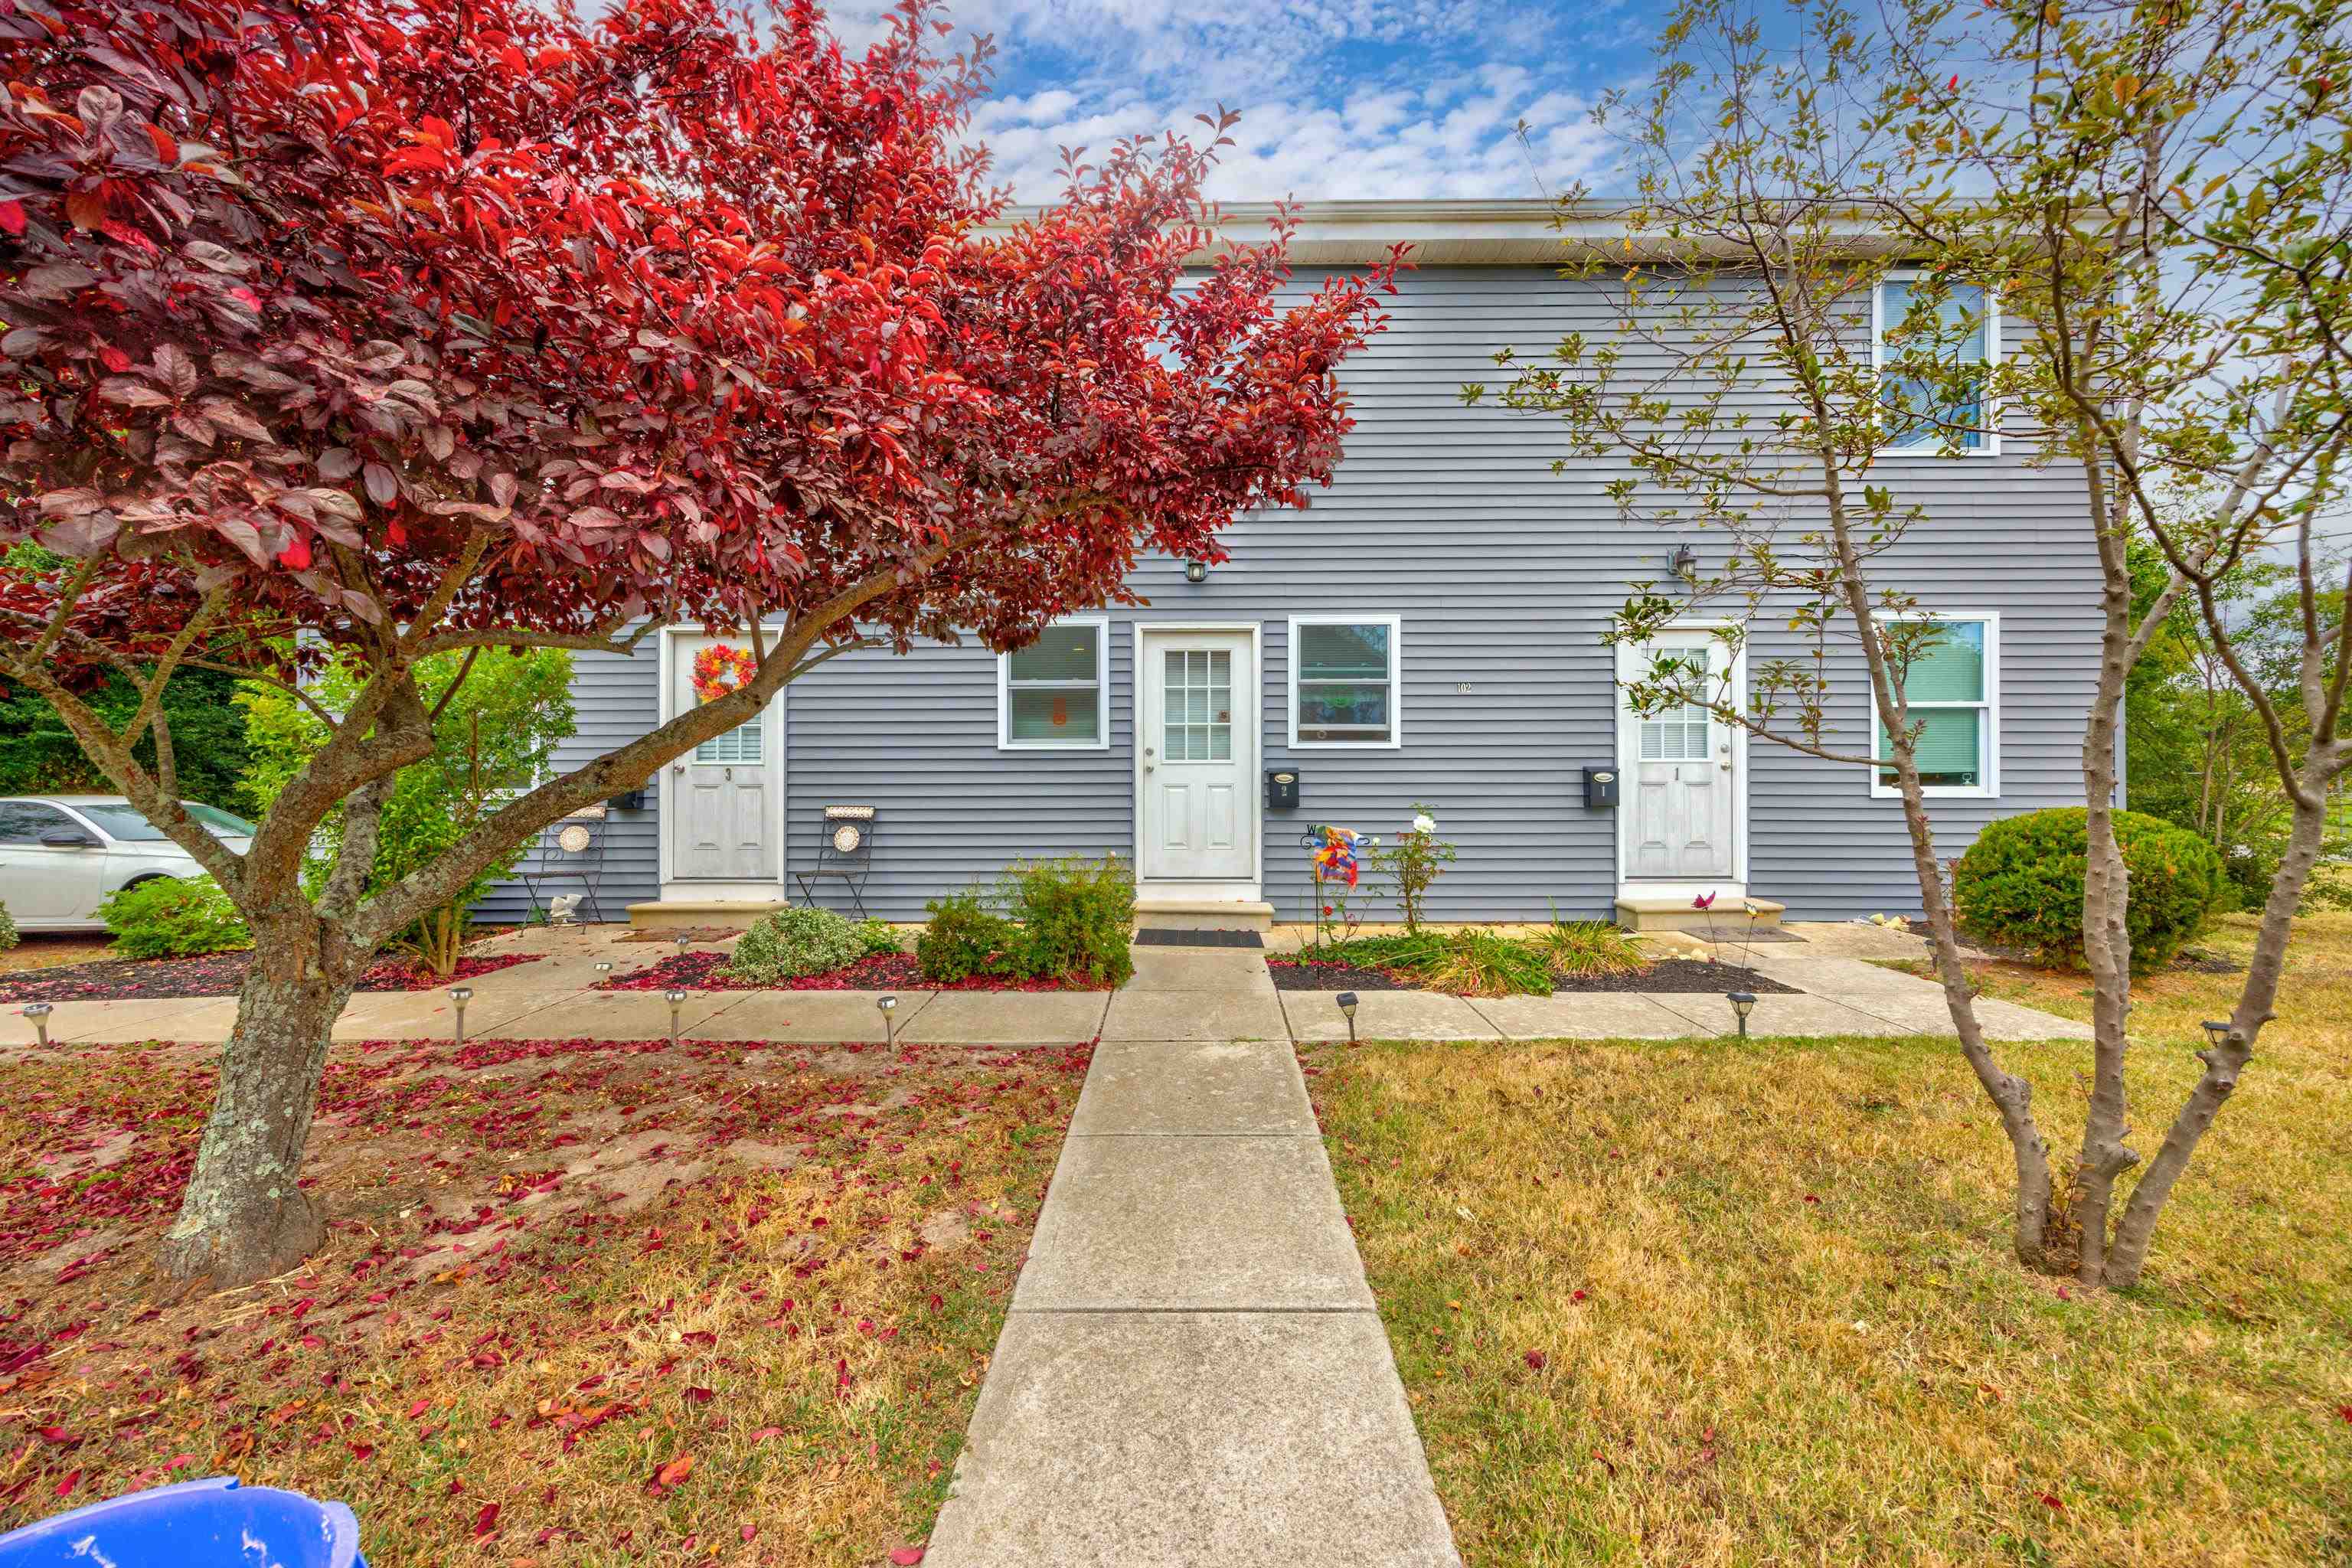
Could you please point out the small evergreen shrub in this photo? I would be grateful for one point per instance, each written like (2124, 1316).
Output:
(2021, 884)
(875, 938)
(792, 942)
(165, 917)
(965, 937)
(8, 937)
(1077, 919)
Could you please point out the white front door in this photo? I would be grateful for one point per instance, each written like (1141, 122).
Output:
(719, 811)
(1196, 735)
(1681, 771)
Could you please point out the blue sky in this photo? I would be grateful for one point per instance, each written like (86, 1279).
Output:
(1362, 99)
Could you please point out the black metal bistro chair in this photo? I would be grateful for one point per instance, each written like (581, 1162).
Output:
(846, 851)
(569, 849)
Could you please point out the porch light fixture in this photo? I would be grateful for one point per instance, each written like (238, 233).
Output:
(1196, 571)
(460, 995)
(888, 1004)
(1684, 564)
(39, 1012)
(1347, 1001)
(676, 1001)
(1742, 1004)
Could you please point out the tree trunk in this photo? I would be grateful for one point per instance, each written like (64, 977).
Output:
(243, 1217)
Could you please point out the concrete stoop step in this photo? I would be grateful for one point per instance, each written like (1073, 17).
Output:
(1202, 914)
(680, 914)
(1676, 914)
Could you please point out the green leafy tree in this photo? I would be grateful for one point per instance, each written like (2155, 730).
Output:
(498, 717)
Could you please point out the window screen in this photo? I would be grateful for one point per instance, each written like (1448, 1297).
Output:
(1053, 689)
(1950, 703)
(1347, 682)
(1943, 409)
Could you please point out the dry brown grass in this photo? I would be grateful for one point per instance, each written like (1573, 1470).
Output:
(744, 1323)
(1776, 1317)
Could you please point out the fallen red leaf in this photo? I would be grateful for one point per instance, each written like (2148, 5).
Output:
(486, 1521)
(1535, 1360)
(906, 1555)
(674, 1472)
(419, 1408)
(66, 1487)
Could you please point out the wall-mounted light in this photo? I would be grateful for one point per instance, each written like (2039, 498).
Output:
(1196, 571)
(1684, 563)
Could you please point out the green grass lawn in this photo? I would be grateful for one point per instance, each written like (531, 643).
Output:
(1714, 1303)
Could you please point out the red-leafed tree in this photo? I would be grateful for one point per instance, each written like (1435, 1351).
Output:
(399, 328)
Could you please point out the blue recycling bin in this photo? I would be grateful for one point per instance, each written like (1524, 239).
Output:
(211, 1523)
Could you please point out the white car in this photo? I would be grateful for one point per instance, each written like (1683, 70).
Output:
(62, 855)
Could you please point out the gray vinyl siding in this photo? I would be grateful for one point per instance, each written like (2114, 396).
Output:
(1505, 574)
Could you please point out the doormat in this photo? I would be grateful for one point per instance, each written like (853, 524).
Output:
(1156, 938)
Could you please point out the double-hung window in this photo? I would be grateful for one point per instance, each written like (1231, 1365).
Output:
(1052, 694)
(1933, 346)
(1345, 680)
(1953, 687)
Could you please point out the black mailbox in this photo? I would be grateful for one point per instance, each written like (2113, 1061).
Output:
(1601, 786)
(628, 800)
(1281, 789)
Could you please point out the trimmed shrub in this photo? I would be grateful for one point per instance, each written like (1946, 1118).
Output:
(165, 917)
(8, 937)
(792, 942)
(875, 938)
(2021, 884)
(965, 937)
(1077, 919)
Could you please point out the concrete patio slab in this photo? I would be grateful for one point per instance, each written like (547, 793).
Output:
(808, 1017)
(1006, 1018)
(1831, 976)
(1199, 1087)
(1230, 1223)
(1775, 1015)
(1194, 1015)
(1586, 1016)
(1184, 1440)
(1386, 1015)
(1239, 969)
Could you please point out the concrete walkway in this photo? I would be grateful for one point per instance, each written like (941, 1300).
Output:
(1193, 1372)
(1178, 994)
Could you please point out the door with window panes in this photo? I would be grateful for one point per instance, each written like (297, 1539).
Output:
(721, 816)
(1683, 808)
(1197, 738)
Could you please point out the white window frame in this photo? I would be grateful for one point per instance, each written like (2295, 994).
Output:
(1395, 624)
(1931, 451)
(1990, 735)
(1101, 742)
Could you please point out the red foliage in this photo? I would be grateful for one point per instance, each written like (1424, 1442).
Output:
(212, 975)
(676, 318)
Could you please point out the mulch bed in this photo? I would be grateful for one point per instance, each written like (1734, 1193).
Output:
(211, 974)
(1665, 975)
(883, 972)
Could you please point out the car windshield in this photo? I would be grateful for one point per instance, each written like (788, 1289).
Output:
(122, 820)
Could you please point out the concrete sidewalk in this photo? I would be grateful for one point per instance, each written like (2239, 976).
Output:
(1178, 994)
(1194, 1372)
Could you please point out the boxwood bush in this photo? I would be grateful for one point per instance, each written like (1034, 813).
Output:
(167, 917)
(2021, 884)
(1062, 919)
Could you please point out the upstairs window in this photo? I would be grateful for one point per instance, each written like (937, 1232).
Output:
(1953, 687)
(1051, 694)
(1344, 680)
(1932, 347)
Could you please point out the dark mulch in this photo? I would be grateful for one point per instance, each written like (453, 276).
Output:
(1665, 975)
(212, 974)
(884, 972)
(1296, 975)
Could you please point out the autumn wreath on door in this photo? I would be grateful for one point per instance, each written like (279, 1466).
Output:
(721, 671)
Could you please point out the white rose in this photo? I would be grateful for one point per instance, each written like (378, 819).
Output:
(1424, 823)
